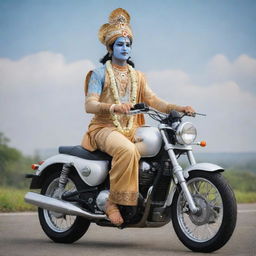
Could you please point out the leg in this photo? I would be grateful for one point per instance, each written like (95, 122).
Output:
(124, 171)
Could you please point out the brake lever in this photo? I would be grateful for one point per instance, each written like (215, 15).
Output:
(193, 115)
(200, 114)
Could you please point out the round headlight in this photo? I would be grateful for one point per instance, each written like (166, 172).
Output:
(186, 133)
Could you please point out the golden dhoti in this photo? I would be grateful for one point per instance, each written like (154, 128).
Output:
(124, 166)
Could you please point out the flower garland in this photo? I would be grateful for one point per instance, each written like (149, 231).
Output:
(114, 89)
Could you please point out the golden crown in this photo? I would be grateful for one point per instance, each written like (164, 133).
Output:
(118, 25)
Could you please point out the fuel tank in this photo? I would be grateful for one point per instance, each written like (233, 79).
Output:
(148, 141)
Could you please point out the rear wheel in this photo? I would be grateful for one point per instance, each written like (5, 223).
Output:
(210, 228)
(62, 228)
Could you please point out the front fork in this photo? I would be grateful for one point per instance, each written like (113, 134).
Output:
(179, 175)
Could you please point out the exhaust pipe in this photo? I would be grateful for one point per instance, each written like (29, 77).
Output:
(56, 205)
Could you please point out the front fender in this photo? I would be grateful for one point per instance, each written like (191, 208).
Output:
(207, 167)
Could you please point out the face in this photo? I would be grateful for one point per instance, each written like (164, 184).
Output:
(122, 48)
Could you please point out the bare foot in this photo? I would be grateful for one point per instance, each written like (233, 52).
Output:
(113, 213)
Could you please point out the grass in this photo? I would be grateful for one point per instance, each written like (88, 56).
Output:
(12, 200)
(245, 197)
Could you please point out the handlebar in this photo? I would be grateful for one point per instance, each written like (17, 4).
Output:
(143, 107)
(140, 106)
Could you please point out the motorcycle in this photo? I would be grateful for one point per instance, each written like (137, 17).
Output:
(197, 199)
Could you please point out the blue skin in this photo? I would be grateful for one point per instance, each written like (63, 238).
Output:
(121, 51)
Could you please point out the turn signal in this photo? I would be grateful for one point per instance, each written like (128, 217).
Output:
(203, 143)
(34, 166)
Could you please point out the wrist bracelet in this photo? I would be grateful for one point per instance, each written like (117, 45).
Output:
(111, 109)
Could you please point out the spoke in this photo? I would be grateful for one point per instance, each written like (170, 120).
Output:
(200, 184)
(195, 229)
(196, 190)
(215, 199)
(210, 231)
(209, 189)
(205, 189)
(64, 222)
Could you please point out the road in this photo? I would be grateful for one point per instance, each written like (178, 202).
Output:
(21, 235)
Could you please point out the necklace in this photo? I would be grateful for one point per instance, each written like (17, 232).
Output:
(123, 82)
(125, 130)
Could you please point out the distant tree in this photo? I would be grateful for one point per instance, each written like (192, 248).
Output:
(3, 140)
(12, 164)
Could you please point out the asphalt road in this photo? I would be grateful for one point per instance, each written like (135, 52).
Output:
(21, 235)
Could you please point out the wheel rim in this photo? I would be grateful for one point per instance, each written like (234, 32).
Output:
(56, 221)
(205, 225)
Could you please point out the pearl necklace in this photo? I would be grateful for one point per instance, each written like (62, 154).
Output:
(114, 89)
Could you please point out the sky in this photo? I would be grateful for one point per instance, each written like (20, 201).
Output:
(194, 52)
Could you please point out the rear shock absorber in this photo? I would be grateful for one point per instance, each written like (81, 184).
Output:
(64, 177)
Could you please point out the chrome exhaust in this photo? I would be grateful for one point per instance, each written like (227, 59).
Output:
(56, 205)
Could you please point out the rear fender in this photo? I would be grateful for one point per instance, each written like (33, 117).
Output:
(92, 172)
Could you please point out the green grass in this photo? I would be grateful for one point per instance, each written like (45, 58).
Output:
(245, 197)
(12, 200)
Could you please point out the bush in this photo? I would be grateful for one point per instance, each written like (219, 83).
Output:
(13, 165)
(240, 180)
(12, 200)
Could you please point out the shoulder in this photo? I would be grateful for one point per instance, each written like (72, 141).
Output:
(139, 73)
(100, 71)
(97, 73)
(141, 76)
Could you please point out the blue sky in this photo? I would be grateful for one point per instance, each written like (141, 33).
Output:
(184, 34)
(199, 53)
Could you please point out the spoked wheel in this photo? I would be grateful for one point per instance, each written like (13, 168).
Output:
(60, 227)
(212, 226)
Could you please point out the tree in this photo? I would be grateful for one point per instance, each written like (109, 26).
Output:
(12, 164)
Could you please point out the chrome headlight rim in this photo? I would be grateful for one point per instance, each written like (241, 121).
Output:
(183, 130)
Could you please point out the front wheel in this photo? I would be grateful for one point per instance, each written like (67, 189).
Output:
(62, 228)
(212, 226)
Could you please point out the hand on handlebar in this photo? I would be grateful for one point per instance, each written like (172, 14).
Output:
(123, 108)
(188, 110)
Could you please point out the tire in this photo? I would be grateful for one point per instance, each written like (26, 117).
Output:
(218, 216)
(51, 222)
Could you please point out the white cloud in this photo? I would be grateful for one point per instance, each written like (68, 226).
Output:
(230, 123)
(42, 101)
(242, 70)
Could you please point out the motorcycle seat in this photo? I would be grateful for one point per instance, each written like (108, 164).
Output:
(81, 152)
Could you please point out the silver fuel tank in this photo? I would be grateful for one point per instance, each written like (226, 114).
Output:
(148, 141)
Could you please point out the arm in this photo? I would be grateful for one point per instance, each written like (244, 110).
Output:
(152, 100)
(93, 91)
